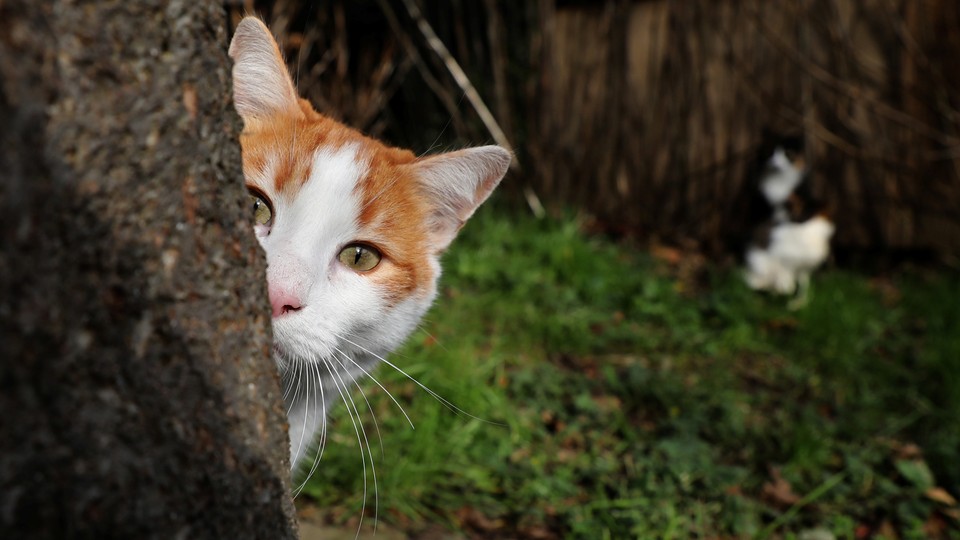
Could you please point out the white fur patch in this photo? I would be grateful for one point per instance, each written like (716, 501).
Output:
(795, 250)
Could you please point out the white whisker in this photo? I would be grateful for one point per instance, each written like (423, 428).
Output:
(423, 328)
(373, 415)
(361, 433)
(436, 141)
(296, 384)
(323, 430)
(446, 403)
(306, 414)
(382, 387)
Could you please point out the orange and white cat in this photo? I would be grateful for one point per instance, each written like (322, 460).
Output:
(353, 231)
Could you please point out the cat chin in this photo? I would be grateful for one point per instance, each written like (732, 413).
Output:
(293, 347)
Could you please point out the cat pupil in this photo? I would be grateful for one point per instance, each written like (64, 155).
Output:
(357, 255)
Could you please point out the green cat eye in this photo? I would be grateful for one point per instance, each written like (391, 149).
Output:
(262, 214)
(359, 257)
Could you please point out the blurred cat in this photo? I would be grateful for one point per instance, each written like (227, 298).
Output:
(794, 238)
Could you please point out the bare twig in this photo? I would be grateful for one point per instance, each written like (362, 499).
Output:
(438, 90)
(459, 76)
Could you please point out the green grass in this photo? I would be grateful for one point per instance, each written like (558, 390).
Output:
(610, 399)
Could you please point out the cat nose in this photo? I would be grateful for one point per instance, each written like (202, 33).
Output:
(283, 301)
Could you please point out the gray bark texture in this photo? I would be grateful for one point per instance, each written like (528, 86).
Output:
(137, 393)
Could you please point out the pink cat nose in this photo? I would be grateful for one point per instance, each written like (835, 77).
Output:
(283, 301)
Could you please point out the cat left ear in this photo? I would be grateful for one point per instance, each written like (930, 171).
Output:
(456, 183)
(262, 86)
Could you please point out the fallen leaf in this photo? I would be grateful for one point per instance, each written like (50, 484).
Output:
(941, 496)
(607, 404)
(887, 530)
(908, 451)
(537, 532)
(779, 490)
(666, 254)
(935, 527)
(471, 517)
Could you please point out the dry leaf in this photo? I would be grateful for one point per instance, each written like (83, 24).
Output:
(941, 496)
(473, 518)
(779, 490)
(887, 530)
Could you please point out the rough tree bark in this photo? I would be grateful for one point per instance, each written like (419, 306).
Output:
(137, 394)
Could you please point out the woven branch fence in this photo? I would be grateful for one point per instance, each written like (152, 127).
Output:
(648, 115)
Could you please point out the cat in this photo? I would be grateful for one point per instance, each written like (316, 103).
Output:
(352, 229)
(794, 238)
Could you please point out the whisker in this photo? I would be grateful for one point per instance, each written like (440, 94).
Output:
(364, 395)
(296, 384)
(366, 440)
(306, 415)
(323, 430)
(382, 387)
(446, 403)
(357, 427)
(323, 410)
(288, 381)
(435, 142)
(422, 327)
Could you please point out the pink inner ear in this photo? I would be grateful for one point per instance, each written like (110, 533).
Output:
(262, 87)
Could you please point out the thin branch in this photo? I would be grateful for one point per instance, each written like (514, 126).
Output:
(459, 76)
(438, 90)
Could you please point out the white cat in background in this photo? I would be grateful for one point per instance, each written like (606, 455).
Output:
(796, 239)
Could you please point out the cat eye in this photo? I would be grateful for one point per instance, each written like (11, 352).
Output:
(360, 257)
(262, 214)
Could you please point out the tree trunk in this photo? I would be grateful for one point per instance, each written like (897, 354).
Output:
(137, 392)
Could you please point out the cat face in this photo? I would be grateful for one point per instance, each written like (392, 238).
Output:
(350, 255)
(352, 229)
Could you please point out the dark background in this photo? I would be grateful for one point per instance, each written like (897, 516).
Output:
(648, 115)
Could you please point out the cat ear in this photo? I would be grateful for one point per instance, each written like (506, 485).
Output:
(456, 183)
(262, 87)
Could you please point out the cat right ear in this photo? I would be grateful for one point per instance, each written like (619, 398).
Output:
(262, 86)
(456, 183)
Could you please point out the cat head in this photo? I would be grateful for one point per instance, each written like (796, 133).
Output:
(783, 172)
(352, 229)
